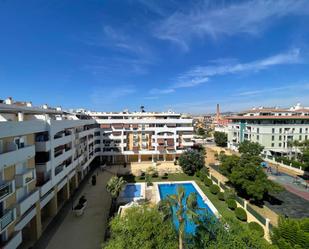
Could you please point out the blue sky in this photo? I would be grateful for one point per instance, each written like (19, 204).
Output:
(164, 54)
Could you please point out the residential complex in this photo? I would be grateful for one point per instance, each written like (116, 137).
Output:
(143, 136)
(45, 153)
(271, 127)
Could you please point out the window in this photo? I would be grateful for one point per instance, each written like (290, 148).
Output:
(273, 130)
(280, 130)
(272, 138)
(257, 137)
(280, 144)
(258, 130)
(280, 137)
(300, 137)
(272, 145)
(300, 130)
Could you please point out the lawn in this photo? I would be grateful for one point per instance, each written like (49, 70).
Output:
(220, 205)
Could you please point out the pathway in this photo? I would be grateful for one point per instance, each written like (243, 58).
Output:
(87, 231)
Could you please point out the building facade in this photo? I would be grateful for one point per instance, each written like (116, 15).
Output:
(143, 136)
(45, 153)
(273, 128)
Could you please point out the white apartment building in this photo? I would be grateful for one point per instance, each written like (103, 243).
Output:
(143, 136)
(45, 153)
(271, 127)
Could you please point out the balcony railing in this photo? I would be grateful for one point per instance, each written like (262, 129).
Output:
(6, 189)
(7, 218)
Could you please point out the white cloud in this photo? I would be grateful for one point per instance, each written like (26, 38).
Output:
(201, 74)
(207, 19)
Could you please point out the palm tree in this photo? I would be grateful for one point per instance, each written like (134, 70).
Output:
(114, 186)
(188, 210)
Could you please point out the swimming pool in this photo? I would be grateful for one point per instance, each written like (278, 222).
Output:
(166, 189)
(132, 191)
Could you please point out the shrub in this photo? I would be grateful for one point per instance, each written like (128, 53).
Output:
(256, 227)
(231, 203)
(214, 189)
(155, 174)
(203, 173)
(164, 176)
(197, 174)
(241, 214)
(221, 196)
(207, 181)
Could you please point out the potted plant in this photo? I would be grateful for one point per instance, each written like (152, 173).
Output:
(79, 209)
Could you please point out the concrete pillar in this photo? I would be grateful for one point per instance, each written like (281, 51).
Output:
(164, 157)
(152, 159)
(139, 158)
(75, 180)
(38, 221)
(53, 205)
(20, 117)
(67, 190)
(174, 157)
(113, 159)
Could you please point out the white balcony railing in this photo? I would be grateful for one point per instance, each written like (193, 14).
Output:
(14, 242)
(7, 218)
(25, 177)
(6, 189)
(15, 156)
(27, 202)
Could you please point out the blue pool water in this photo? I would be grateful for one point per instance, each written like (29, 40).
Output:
(171, 189)
(132, 190)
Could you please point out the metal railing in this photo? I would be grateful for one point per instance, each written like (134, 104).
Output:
(6, 219)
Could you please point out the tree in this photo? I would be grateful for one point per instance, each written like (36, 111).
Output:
(291, 233)
(183, 211)
(220, 138)
(200, 132)
(220, 235)
(228, 163)
(191, 161)
(252, 148)
(249, 178)
(142, 227)
(114, 186)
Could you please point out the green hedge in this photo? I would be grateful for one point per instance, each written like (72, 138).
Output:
(241, 214)
(207, 181)
(231, 203)
(214, 189)
(221, 196)
(256, 227)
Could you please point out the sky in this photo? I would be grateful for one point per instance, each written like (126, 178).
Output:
(185, 56)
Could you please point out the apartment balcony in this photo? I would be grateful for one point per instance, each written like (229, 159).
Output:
(43, 167)
(28, 202)
(187, 135)
(42, 146)
(62, 140)
(86, 133)
(17, 155)
(46, 187)
(187, 144)
(62, 157)
(6, 188)
(24, 177)
(7, 218)
(14, 242)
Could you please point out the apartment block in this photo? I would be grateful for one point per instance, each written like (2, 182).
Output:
(142, 136)
(273, 128)
(45, 153)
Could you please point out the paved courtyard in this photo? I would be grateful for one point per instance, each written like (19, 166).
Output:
(87, 231)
